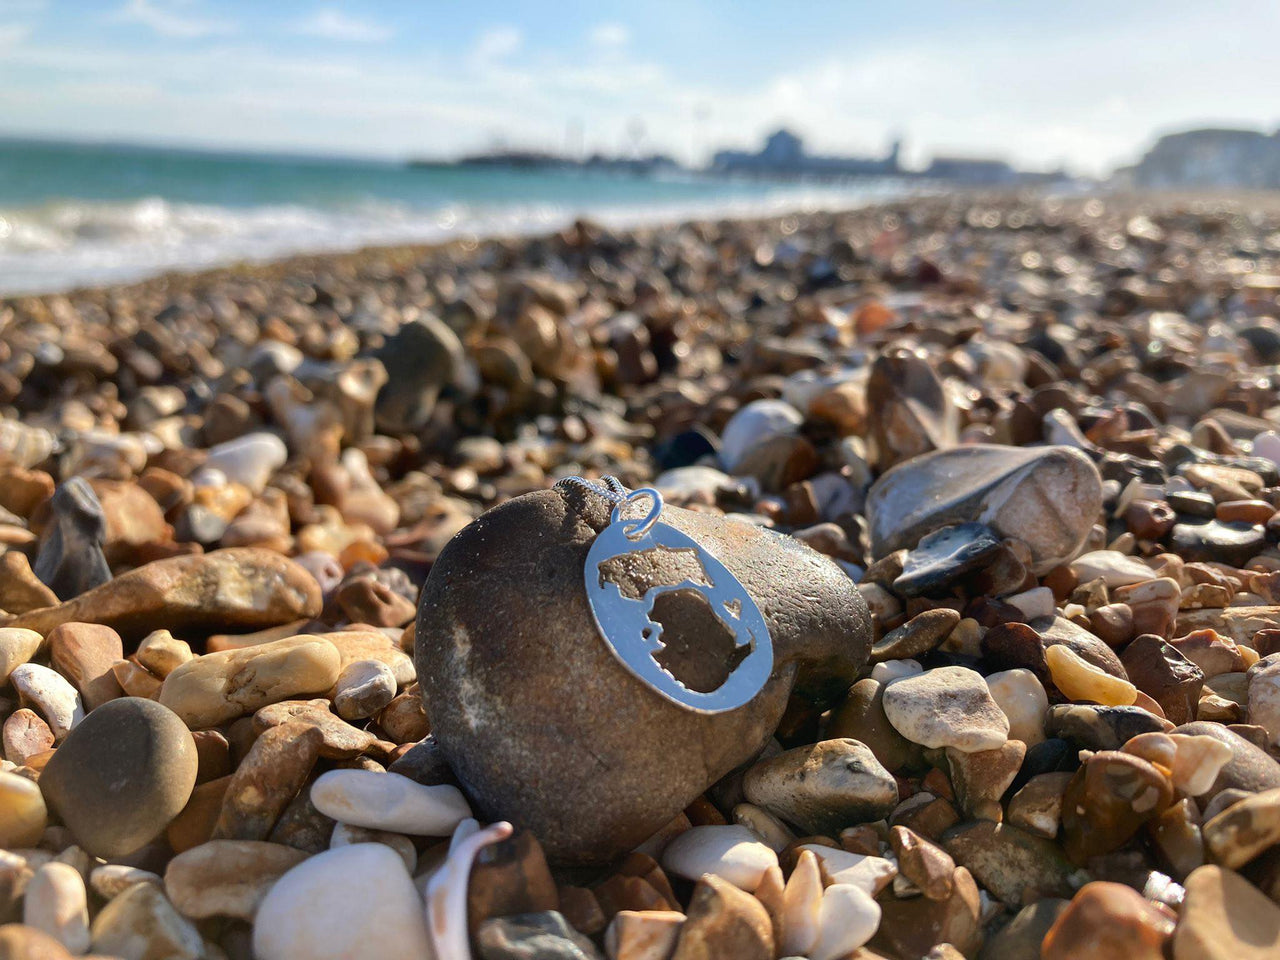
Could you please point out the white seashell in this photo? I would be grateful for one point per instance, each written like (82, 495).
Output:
(447, 889)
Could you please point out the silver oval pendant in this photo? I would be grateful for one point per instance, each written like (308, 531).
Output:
(620, 560)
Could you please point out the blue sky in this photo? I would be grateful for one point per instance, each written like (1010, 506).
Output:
(1087, 83)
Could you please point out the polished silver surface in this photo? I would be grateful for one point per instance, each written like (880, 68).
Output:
(626, 622)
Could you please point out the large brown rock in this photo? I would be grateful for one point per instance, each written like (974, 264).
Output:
(544, 727)
(243, 588)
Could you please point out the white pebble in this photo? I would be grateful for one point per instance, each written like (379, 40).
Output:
(731, 852)
(1020, 695)
(51, 694)
(56, 903)
(388, 801)
(887, 671)
(869, 874)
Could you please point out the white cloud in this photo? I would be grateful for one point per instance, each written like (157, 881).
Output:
(13, 33)
(329, 23)
(609, 36)
(171, 19)
(496, 44)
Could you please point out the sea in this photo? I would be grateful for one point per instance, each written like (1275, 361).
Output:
(77, 214)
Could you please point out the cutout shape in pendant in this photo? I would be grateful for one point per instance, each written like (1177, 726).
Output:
(619, 576)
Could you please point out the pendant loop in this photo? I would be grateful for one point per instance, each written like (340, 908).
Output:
(635, 529)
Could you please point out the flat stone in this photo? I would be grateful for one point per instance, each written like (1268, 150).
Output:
(218, 687)
(1225, 917)
(1094, 727)
(944, 556)
(870, 874)
(926, 865)
(84, 653)
(121, 776)
(70, 561)
(1157, 669)
(824, 787)
(530, 706)
(339, 739)
(918, 636)
(1013, 865)
(388, 801)
(1115, 568)
(1108, 921)
(723, 921)
(1234, 543)
(227, 878)
(946, 707)
(267, 779)
(244, 588)
(335, 904)
(1049, 497)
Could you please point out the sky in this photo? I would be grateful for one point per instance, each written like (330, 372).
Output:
(1087, 84)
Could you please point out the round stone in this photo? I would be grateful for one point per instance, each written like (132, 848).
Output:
(121, 775)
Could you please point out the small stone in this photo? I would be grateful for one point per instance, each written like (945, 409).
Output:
(1107, 800)
(870, 874)
(1249, 768)
(1234, 543)
(218, 687)
(731, 852)
(1225, 917)
(388, 801)
(980, 778)
(1157, 669)
(643, 935)
(404, 719)
(56, 903)
(946, 707)
(908, 408)
(339, 739)
(754, 425)
(533, 936)
(927, 866)
(1212, 653)
(21, 942)
(23, 814)
(861, 717)
(920, 927)
(1078, 679)
(243, 588)
(919, 635)
(1115, 569)
(141, 923)
(249, 460)
(25, 735)
(161, 653)
(20, 589)
(365, 600)
(510, 877)
(84, 653)
(227, 878)
(1013, 865)
(1176, 838)
(1153, 604)
(422, 358)
(112, 879)
(944, 556)
(1263, 696)
(1048, 497)
(70, 561)
(334, 905)
(1108, 921)
(50, 694)
(1037, 807)
(1094, 727)
(1197, 762)
(121, 776)
(17, 646)
(267, 779)
(823, 787)
(1022, 699)
(724, 922)
(363, 688)
(1244, 830)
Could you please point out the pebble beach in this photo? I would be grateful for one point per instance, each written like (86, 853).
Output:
(297, 662)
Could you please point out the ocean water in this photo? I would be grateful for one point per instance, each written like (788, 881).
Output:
(77, 214)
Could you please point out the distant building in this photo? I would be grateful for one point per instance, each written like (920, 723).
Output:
(1210, 158)
(972, 171)
(783, 155)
